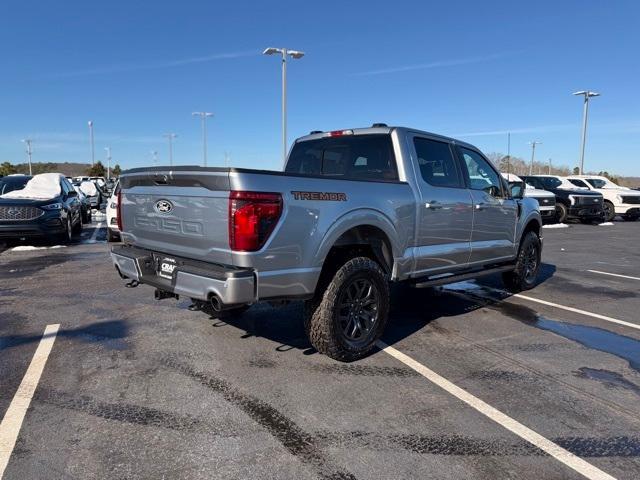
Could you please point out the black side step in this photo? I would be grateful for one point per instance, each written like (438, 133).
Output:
(444, 280)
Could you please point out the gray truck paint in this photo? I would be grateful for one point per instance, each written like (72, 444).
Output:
(430, 230)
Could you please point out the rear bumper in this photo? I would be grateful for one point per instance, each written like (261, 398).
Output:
(200, 280)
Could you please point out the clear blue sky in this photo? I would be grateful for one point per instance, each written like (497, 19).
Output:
(473, 70)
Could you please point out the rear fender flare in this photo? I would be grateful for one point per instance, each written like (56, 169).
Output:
(352, 219)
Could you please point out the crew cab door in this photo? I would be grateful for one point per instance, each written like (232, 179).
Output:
(445, 212)
(494, 212)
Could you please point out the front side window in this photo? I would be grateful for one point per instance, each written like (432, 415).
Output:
(480, 174)
(366, 157)
(436, 163)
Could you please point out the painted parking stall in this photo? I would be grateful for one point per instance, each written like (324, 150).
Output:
(479, 383)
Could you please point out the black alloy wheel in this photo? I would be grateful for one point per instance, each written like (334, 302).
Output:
(358, 310)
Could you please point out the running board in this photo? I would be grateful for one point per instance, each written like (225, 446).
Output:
(436, 280)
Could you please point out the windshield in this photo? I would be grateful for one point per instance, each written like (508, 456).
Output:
(597, 183)
(551, 182)
(9, 184)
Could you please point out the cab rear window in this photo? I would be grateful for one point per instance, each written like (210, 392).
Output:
(360, 157)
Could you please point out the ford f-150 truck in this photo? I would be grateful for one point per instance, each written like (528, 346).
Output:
(571, 202)
(352, 211)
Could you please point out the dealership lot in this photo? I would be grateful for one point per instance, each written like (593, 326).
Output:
(134, 388)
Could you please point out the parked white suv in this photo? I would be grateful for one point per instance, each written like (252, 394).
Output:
(113, 232)
(617, 200)
(546, 200)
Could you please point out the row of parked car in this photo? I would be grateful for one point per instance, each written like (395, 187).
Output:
(587, 198)
(49, 205)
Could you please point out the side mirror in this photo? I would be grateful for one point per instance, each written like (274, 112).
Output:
(517, 190)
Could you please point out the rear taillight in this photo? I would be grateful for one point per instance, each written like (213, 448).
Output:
(252, 218)
(119, 211)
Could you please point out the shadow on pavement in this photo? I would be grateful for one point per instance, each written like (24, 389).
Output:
(411, 310)
(110, 334)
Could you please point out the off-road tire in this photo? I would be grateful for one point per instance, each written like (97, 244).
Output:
(561, 212)
(322, 322)
(631, 217)
(521, 278)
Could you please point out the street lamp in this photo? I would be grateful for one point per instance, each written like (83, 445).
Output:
(108, 150)
(203, 116)
(295, 54)
(585, 113)
(27, 142)
(170, 137)
(93, 156)
(533, 153)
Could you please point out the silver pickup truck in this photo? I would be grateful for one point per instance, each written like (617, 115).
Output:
(353, 210)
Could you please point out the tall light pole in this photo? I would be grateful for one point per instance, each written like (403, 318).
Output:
(108, 150)
(585, 113)
(93, 154)
(533, 154)
(549, 166)
(295, 54)
(203, 117)
(170, 137)
(27, 142)
(508, 151)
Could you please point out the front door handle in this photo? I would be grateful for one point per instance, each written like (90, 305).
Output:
(433, 205)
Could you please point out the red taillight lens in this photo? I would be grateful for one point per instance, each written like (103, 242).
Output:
(252, 218)
(119, 210)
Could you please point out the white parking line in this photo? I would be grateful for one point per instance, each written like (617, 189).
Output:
(569, 459)
(95, 233)
(12, 421)
(614, 274)
(577, 310)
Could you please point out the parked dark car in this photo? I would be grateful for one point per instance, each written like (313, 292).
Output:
(571, 202)
(58, 216)
(85, 205)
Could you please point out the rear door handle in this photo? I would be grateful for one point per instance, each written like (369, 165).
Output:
(433, 205)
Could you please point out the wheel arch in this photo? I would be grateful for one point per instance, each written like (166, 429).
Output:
(366, 234)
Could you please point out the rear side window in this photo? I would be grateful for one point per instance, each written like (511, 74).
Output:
(437, 166)
(365, 157)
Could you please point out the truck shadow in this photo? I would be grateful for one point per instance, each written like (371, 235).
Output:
(411, 311)
(110, 334)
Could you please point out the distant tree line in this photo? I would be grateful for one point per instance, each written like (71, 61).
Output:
(68, 169)
(520, 166)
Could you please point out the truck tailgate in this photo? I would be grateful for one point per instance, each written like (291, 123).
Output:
(178, 211)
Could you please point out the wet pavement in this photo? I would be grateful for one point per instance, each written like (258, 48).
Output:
(135, 388)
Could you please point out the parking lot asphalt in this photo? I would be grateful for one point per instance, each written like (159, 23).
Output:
(135, 388)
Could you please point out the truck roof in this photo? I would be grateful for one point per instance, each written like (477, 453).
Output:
(383, 130)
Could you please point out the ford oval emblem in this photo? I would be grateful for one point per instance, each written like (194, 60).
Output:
(164, 206)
